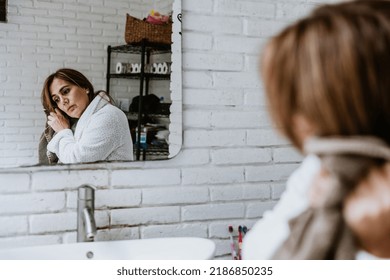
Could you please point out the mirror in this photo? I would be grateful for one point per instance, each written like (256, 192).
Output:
(40, 37)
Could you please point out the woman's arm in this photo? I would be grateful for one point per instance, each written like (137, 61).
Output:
(100, 137)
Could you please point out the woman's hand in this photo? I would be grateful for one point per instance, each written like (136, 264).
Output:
(367, 212)
(366, 209)
(57, 121)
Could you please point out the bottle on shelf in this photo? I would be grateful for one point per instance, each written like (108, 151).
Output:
(143, 138)
(144, 134)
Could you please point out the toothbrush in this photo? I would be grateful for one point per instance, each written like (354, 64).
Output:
(233, 250)
(239, 241)
(245, 230)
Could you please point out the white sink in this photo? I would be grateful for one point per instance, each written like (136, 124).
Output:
(175, 248)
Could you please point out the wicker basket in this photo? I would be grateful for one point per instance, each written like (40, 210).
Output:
(137, 30)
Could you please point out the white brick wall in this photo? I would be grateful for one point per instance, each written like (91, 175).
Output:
(232, 167)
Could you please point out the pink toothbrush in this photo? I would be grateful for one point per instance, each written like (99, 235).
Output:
(239, 241)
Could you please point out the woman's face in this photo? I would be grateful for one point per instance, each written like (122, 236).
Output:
(69, 98)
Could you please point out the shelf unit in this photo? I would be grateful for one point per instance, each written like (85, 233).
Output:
(145, 49)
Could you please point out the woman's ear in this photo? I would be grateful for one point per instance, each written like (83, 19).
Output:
(302, 127)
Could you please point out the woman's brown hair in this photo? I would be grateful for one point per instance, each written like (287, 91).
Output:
(331, 68)
(71, 76)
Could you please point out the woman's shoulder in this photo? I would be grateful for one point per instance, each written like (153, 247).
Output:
(109, 110)
(105, 105)
(302, 177)
(109, 115)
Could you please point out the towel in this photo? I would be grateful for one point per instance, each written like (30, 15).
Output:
(321, 233)
(46, 157)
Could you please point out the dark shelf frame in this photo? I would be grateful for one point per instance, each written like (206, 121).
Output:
(136, 48)
(145, 49)
(137, 76)
(3, 10)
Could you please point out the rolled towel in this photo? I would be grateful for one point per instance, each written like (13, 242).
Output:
(120, 68)
(164, 69)
(154, 68)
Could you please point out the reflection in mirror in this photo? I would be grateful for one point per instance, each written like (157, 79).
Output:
(40, 37)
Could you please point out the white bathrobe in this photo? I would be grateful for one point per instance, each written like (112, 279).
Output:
(102, 134)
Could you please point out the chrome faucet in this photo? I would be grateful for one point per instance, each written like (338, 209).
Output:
(86, 226)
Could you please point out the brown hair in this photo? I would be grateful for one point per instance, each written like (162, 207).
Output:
(71, 76)
(330, 67)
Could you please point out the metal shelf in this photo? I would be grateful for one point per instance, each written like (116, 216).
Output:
(136, 48)
(145, 49)
(137, 76)
(155, 152)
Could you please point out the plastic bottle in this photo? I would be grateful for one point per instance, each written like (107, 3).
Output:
(144, 134)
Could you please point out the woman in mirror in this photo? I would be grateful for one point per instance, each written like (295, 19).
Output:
(82, 125)
(327, 89)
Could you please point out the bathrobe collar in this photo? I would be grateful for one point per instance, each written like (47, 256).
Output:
(97, 103)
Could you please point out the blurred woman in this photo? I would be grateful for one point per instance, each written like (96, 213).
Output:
(327, 89)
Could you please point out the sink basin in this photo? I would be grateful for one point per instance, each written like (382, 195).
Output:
(175, 248)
